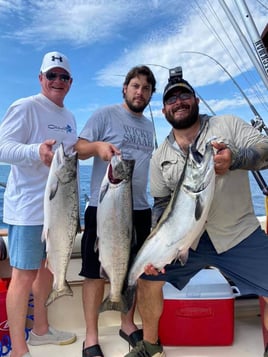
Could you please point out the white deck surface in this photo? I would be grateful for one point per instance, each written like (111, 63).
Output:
(248, 341)
(67, 313)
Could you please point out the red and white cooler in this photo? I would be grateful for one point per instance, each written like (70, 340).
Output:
(201, 314)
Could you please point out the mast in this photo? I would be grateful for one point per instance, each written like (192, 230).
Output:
(246, 45)
(253, 33)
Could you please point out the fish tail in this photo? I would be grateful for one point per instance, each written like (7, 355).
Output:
(120, 305)
(55, 294)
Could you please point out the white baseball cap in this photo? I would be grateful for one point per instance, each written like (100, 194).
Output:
(55, 59)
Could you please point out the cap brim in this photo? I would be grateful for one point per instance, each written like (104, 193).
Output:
(175, 86)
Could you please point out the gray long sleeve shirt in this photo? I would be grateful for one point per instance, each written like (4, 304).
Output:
(231, 218)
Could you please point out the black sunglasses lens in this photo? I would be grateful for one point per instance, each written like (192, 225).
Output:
(51, 76)
(171, 100)
(64, 77)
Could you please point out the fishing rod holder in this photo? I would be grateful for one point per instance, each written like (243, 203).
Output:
(259, 124)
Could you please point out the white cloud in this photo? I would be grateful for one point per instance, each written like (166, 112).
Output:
(163, 33)
(168, 49)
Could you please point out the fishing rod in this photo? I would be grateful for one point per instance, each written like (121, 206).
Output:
(261, 51)
(257, 123)
(253, 109)
(202, 99)
(151, 113)
(152, 118)
(260, 125)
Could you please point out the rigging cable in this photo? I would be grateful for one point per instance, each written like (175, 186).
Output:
(245, 43)
(208, 23)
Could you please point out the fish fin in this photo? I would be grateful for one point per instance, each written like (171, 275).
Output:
(108, 305)
(44, 236)
(103, 191)
(53, 190)
(103, 274)
(183, 257)
(78, 226)
(55, 294)
(133, 237)
(96, 245)
(198, 207)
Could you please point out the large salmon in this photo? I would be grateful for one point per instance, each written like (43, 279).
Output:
(183, 219)
(61, 219)
(114, 229)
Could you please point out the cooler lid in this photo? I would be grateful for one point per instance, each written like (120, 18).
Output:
(206, 284)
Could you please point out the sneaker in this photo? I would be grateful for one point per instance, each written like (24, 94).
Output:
(53, 336)
(146, 349)
(27, 355)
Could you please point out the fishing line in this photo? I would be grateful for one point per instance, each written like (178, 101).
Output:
(253, 82)
(152, 119)
(262, 4)
(254, 110)
(202, 99)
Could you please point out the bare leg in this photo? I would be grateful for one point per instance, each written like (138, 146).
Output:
(41, 289)
(150, 305)
(93, 290)
(17, 307)
(127, 320)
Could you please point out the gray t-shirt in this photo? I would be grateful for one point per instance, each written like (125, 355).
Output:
(134, 136)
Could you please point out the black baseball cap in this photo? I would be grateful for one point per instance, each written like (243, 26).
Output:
(180, 84)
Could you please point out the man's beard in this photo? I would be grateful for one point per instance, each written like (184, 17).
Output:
(184, 123)
(134, 108)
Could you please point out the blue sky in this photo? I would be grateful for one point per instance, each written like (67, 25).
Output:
(105, 38)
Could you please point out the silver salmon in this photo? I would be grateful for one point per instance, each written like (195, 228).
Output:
(61, 219)
(114, 229)
(183, 220)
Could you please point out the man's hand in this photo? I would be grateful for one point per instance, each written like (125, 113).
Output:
(222, 158)
(45, 151)
(149, 269)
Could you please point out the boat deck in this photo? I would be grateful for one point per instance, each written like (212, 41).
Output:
(66, 313)
(248, 341)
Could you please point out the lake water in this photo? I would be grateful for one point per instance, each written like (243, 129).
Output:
(85, 174)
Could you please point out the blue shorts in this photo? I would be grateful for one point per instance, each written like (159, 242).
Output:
(246, 264)
(26, 249)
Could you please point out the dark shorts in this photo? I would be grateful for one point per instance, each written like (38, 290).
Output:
(90, 257)
(246, 264)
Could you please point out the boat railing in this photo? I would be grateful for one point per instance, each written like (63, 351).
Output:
(76, 253)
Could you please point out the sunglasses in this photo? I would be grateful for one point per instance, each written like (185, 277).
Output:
(181, 96)
(52, 76)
